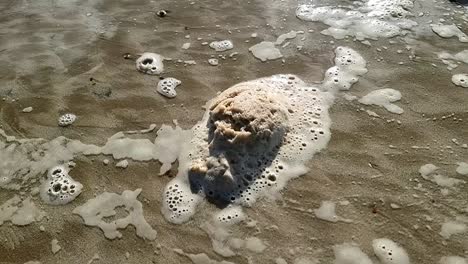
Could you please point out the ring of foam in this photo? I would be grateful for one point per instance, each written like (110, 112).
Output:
(150, 63)
(59, 188)
(167, 86)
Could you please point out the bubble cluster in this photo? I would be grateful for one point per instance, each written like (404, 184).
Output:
(150, 63)
(373, 20)
(167, 86)
(222, 45)
(59, 188)
(229, 216)
(66, 119)
(239, 172)
(254, 138)
(388, 252)
(179, 201)
(349, 65)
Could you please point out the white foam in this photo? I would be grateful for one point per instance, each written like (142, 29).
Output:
(222, 45)
(265, 50)
(19, 212)
(462, 168)
(229, 216)
(179, 202)
(429, 172)
(384, 98)
(290, 35)
(27, 110)
(448, 31)
(59, 188)
(349, 65)
(166, 147)
(451, 228)
(55, 247)
(232, 165)
(104, 205)
(389, 252)
(374, 19)
(327, 212)
(254, 244)
(201, 258)
(66, 119)
(213, 62)
(167, 87)
(452, 60)
(453, 260)
(460, 80)
(122, 164)
(150, 63)
(350, 254)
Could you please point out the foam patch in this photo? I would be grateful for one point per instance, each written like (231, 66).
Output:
(372, 20)
(167, 86)
(350, 254)
(104, 205)
(150, 63)
(448, 31)
(19, 212)
(222, 45)
(349, 65)
(66, 120)
(388, 252)
(384, 98)
(453, 260)
(254, 138)
(179, 202)
(59, 188)
(460, 80)
(452, 60)
(265, 50)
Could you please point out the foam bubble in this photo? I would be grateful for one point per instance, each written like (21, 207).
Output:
(460, 80)
(389, 252)
(213, 62)
(375, 19)
(222, 45)
(150, 63)
(66, 119)
(265, 50)
(19, 212)
(462, 168)
(453, 260)
(104, 205)
(229, 216)
(452, 60)
(384, 98)
(179, 202)
(429, 172)
(350, 254)
(448, 31)
(349, 65)
(451, 228)
(59, 188)
(167, 87)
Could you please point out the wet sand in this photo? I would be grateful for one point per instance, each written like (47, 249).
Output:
(58, 58)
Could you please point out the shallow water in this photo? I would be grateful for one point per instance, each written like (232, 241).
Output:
(68, 56)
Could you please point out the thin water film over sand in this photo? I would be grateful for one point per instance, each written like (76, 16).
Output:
(287, 132)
